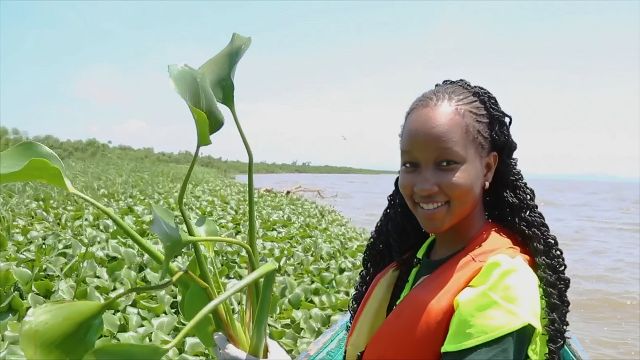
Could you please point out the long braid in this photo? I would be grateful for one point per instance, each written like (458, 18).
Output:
(396, 237)
(509, 201)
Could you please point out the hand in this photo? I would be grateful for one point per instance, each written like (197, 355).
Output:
(227, 351)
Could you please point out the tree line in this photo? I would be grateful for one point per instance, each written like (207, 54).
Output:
(92, 148)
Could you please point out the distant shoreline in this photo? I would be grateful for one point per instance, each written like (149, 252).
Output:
(93, 149)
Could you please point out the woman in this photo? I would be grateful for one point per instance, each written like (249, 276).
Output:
(462, 263)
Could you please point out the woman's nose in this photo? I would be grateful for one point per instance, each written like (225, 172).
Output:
(425, 184)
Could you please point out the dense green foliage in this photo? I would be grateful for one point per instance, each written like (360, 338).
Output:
(55, 247)
(92, 149)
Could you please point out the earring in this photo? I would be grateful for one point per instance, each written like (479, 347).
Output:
(486, 185)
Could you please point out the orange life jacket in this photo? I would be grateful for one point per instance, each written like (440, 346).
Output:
(418, 326)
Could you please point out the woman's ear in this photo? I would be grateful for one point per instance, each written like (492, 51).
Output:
(490, 163)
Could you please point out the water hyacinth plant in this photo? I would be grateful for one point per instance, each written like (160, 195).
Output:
(70, 329)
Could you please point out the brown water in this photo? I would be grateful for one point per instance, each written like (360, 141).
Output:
(597, 224)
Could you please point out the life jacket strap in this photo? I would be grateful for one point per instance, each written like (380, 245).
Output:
(416, 267)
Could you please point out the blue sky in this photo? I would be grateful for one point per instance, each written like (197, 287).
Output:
(329, 82)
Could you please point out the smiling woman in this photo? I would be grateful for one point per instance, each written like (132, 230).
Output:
(461, 264)
(443, 175)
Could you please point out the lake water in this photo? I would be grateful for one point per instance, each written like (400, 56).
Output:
(597, 224)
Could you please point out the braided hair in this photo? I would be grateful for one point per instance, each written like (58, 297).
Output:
(508, 201)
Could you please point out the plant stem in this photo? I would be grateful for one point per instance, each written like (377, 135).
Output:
(254, 291)
(197, 251)
(250, 189)
(259, 334)
(228, 312)
(250, 256)
(197, 280)
(146, 288)
(219, 314)
(224, 319)
(240, 334)
(137, 239)
(183, 191)
(250, 279)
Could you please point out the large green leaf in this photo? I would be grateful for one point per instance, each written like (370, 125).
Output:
(192, 299)
(195, 91)
(220, 69)
(61, 330)
(32, 161)
(163, 225)
(126, 352)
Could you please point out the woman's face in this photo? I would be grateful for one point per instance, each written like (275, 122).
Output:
(442, 172)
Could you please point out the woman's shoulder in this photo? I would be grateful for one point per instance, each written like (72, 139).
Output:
(506, 272)
(496, 239)
(503, 297)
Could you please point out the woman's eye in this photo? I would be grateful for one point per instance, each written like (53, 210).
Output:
(407, 165)
(446, 163)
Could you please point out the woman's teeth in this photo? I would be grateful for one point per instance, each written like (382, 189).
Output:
(431, 206)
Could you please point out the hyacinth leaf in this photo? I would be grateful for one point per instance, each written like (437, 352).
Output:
(164, 226)
(205, 227)
(192, 87)
(126, 352)
(220, 69)
(32, 161)
(193, 299)
(61, 330)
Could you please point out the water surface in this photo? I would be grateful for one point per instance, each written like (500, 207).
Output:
(597, 224)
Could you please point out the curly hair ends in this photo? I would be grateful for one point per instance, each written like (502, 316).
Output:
(508, 201)
(396, 237)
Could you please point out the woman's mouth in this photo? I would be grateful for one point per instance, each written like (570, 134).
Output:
(432, 205)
